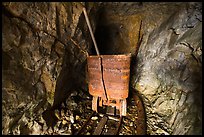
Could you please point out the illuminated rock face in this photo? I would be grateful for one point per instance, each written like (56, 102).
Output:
(44, 49)
(169, 73)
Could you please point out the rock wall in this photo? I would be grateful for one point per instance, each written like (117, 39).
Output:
(43, 58)
(168, 73)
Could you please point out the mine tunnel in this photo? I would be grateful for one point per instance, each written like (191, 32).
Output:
(45, 46)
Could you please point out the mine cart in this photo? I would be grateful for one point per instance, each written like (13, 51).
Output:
(109, 80)
(108, 77)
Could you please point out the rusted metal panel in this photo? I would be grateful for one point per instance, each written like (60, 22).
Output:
(116, 70)
(109, 78)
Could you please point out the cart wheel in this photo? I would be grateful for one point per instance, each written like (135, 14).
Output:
(94, 103)
(123, 107)
(100, 102)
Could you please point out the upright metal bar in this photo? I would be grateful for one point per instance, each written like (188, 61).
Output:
(96, 48)
(90, 29)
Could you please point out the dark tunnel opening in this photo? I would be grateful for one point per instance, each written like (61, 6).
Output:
(105, 36)
(108, 35)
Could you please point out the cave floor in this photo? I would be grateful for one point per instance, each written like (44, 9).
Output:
(77, 108)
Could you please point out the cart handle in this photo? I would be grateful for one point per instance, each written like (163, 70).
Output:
(90, 29)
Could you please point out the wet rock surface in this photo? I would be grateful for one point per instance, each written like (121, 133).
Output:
(44, 50)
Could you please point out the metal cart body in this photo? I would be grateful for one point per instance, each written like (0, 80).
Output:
(109, 80)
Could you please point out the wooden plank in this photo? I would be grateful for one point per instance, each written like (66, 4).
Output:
(100, 126)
